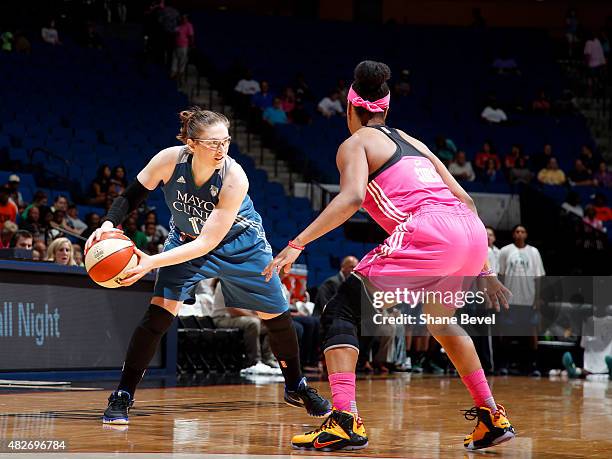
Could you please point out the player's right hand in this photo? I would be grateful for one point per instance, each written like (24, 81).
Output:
(97, 234)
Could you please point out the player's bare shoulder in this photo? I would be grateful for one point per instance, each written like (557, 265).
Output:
(161, 166)
(234, 177)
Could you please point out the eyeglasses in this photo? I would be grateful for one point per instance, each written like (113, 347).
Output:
(214, 144)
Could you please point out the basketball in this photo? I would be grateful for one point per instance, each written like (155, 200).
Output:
(109, 258)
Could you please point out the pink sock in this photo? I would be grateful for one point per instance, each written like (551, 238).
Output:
(343, 391)
(478, 386)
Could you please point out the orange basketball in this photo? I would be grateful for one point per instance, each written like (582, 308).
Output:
(107, 259)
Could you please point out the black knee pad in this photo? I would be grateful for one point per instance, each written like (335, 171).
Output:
(342, 315)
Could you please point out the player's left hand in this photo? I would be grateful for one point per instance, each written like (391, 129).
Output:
(145, 264)
(496, 294)
(283, 260)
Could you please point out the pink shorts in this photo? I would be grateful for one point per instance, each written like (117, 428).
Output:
(437, 249)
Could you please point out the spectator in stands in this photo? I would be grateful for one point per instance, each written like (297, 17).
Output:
(130, 229)
(9, 228)
(342, 91)
(40, 200)
(14, 193)
(590, 218)
(580, 175)
(184, 39)
(247, 86)
(264, 98)
(92, 220)
(511, 158)
(541, 104)
(60, 252)
(77, 253)
(572, 204)
(445, 149)
(482, 157)
(22, 239)
(275, 114)
(100, 185)
(493, 113)
(161, 233)
(6, 41)
(602, 211)
(57, 226)
(595, 61)
(302, 90)
(259, 356)
(551, 174)
(330, 286)
(571, 31)
(521, 270)
(541, 160)
(60, 203)
(493, 254)
(603, 175)
(73, 221)
(49, 34)
(168, 20)
(31, 223)
(491, 173)
(589, 159)
(288, 102)
(403, 87)
(520, 173)
(461, 168)
(8, 209)
(118, 181)
(330, 106)
(22, 44)
(153, 241)
(41, 247)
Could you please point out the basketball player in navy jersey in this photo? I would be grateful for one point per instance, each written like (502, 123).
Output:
(215, 232)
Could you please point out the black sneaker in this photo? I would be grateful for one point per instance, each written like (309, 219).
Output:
(119, 403)
(308, 398)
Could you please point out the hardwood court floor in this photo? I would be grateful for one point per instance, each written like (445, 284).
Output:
(405, 416)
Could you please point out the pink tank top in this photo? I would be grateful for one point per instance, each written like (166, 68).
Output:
(407, 181)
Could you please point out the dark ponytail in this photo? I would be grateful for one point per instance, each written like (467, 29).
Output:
(195, 119)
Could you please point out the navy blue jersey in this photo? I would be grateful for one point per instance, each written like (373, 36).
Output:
(191, 205)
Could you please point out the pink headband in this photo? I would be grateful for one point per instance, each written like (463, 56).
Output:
(375, 107)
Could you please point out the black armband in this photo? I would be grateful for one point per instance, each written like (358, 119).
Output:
(132, 197)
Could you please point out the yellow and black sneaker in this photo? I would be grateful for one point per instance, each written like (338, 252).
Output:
(490, 430)
(340, 431)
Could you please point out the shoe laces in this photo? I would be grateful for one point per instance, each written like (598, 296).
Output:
(119, 402)
(311, 391)
(471, 414)
(329, 423)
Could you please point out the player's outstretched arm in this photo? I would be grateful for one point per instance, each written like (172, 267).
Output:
(217, 226)
(353, 166)
(159, 169)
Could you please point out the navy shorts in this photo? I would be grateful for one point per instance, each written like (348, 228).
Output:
(237, 263)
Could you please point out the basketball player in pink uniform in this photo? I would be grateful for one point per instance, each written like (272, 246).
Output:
(435, 240)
